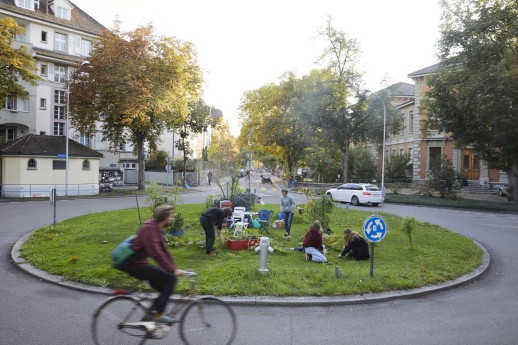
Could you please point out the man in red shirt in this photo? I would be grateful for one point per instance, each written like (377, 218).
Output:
(150, 243)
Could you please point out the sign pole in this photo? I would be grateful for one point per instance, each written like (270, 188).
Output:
(372, 260)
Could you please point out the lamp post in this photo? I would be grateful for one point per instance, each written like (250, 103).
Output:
(383, 148)
(83, 64)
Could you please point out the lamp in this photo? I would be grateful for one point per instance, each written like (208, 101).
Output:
(383, 147)
(83, 64)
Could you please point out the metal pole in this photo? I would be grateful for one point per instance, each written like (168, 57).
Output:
(372, 260)
(383, 149)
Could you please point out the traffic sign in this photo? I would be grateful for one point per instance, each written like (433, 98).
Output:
(61, 155)
(374, 228)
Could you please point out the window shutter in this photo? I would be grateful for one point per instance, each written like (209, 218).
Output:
(51, 71)
(77, 45)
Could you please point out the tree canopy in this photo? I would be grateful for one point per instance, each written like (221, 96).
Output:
(138, 86)
(474, 95)
(15, 61)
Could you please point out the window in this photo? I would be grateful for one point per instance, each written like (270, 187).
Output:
(84, 139)
(7, 134)
(36, 4)
(435, 157)
(59, 165)
(59, 128)
(60, 42)
(24, 3)
(43, 103)
(86, 47)
(59, 73)
(44, 70)
(31, 164)
(411, 122)
(62, 12)
(44, 36)
(43, 133)
(59, 112)
(59, 97)
(86, 165)
(15, 104)
(59, 104)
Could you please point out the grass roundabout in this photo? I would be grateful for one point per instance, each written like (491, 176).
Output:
(79, 250)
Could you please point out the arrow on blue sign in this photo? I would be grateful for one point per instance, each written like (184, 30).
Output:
(374, 228)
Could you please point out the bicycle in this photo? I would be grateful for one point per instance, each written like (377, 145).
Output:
(201, 320)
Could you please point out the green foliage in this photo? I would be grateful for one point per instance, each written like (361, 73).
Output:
(178, 222)
(438, 255)
(442, 177)
(408, 227)
(475, 90)
(157, 160)
(362, 164)
(396, 166)
(319, 208)
(157, 195)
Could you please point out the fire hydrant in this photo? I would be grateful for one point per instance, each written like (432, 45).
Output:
(263, 248)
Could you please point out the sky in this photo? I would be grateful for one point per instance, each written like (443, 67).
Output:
(244, 44)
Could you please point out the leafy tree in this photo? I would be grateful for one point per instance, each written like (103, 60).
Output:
(157, 159)
(198, 120)
(139, 85)
(475, 93)
(15, 62)
(272, 124)
(362, 164)
(396, 166)
(226, 159)
(442, 177)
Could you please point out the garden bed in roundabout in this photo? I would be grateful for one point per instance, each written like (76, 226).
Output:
(79, 250)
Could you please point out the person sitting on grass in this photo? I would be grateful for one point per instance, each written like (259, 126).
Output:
(313, 244)
(355, 246)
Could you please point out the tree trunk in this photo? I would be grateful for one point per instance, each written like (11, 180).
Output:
(141, 165)
(512, 178)
(346, 160)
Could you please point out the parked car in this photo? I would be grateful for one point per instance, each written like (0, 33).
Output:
(503, 190)
(356, 193)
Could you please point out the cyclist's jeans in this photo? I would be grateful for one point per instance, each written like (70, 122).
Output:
(160, 280)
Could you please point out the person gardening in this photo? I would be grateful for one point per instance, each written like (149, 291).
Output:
(213, 217)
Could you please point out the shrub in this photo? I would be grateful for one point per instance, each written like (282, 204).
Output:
(442, 177)
(319, 208)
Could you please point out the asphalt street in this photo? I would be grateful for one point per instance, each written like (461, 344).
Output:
(484, 311)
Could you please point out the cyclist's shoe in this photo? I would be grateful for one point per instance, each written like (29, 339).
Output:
(165, 320)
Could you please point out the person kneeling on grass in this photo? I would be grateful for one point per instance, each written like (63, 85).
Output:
(313, 244)
(355, 246)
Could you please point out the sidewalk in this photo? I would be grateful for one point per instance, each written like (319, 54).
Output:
(23, 266)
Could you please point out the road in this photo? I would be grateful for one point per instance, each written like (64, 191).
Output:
(482, 312)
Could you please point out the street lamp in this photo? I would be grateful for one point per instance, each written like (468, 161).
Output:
(383, 149)
(67, 115)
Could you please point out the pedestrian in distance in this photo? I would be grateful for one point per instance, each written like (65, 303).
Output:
(213, 217)
(209, 176)
(150, 243)
(355, 246)
(313, 244)
(287, 207)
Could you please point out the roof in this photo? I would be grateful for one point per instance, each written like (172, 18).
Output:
(425, 71)
(46, 145)
(402, 90)
(79, 20)
(57, 55)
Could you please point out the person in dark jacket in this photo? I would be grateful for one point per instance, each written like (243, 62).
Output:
(313, 244)
(355, 246)
(210, 218)
(150, 243)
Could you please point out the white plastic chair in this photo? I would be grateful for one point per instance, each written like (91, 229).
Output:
(239, 228)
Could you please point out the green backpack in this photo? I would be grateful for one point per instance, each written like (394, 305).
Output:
(123, 254)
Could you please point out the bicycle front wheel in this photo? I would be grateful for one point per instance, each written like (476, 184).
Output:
(116, 322)
(208, 320)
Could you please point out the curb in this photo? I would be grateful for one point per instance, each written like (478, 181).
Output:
(23, 266)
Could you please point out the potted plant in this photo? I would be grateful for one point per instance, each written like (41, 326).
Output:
(177, 225)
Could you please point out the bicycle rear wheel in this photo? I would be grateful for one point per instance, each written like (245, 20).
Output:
(208, 320)
(111, 320)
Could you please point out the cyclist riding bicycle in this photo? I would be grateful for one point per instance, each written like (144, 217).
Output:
(150, 243)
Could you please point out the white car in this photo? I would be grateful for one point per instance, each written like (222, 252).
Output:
(356, 193)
